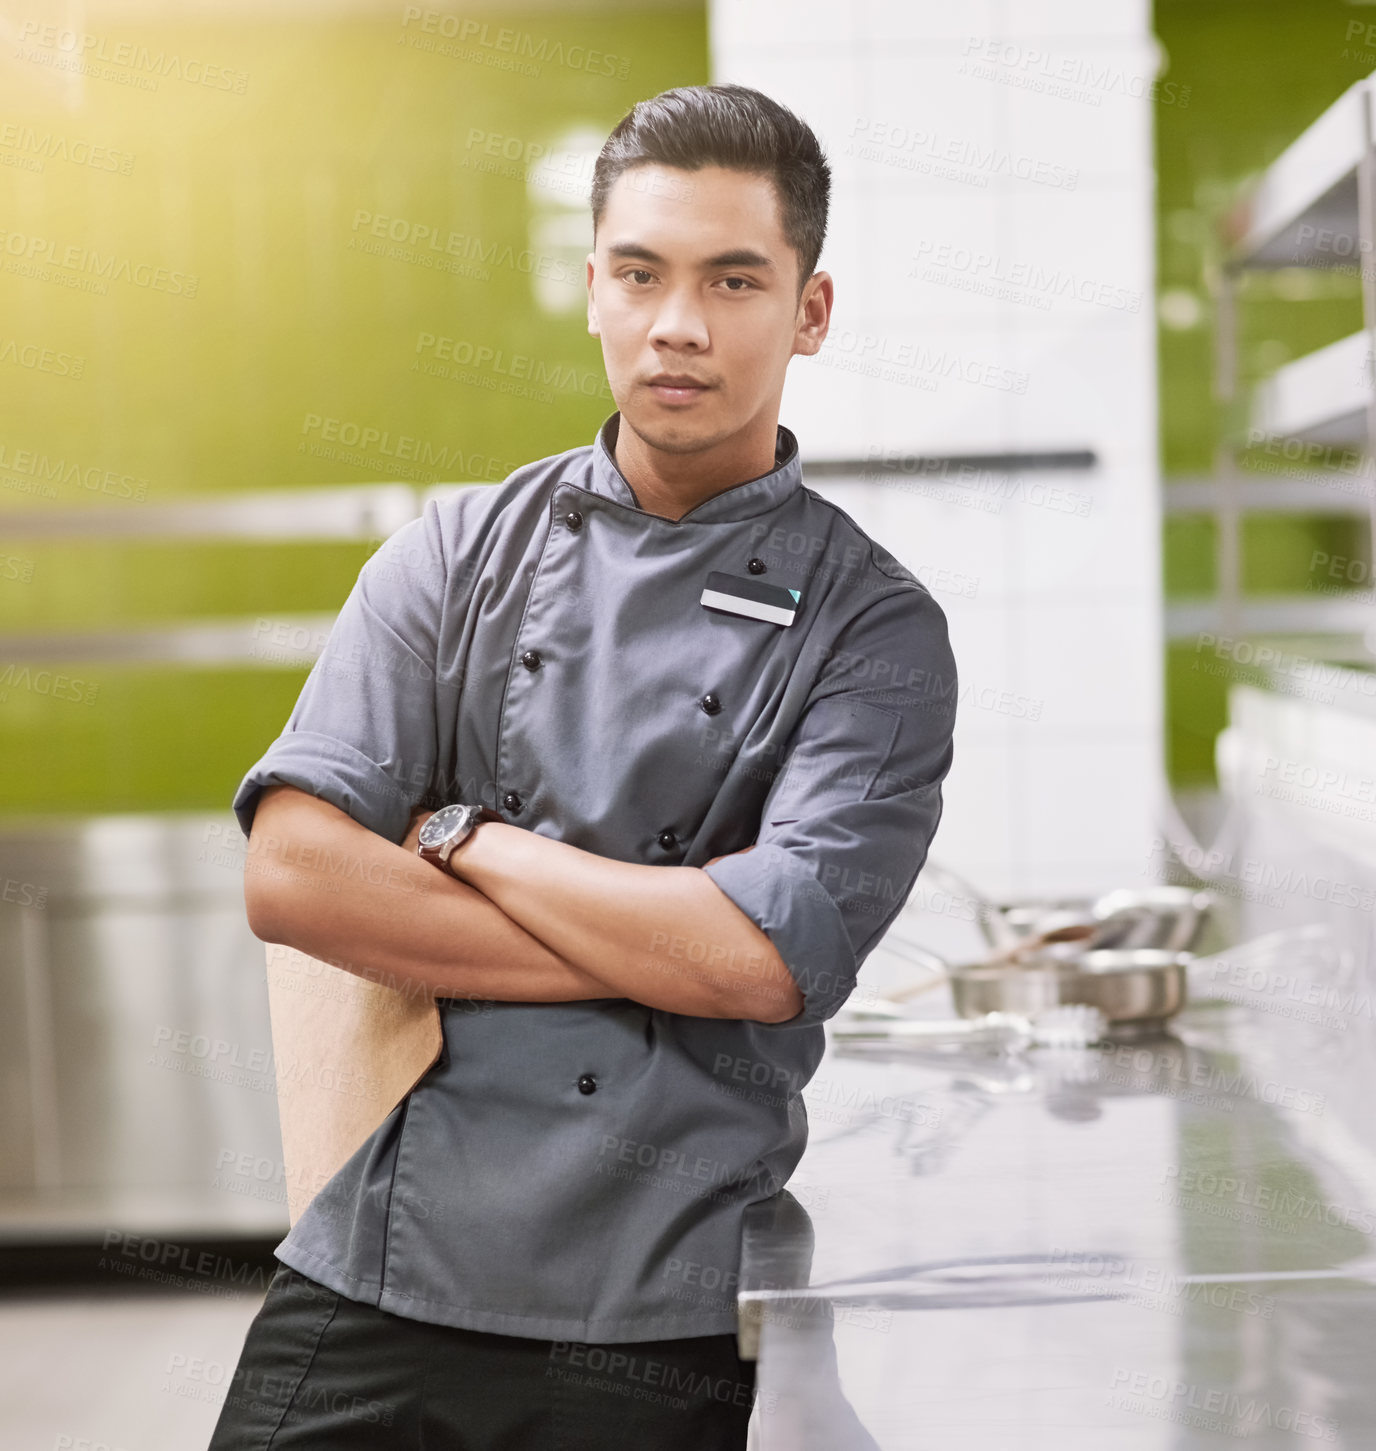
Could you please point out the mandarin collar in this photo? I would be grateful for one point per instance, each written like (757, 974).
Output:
(740, 501)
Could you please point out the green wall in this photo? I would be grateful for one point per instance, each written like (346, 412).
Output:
(1258, 72)
(192, 277)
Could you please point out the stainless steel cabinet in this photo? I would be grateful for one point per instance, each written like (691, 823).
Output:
(135, 1045)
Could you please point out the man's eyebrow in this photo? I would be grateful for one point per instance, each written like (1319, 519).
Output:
(737, 257)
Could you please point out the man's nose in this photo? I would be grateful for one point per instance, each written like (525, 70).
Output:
(679, 321)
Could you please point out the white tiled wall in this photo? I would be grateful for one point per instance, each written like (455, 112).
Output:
(1055, 606)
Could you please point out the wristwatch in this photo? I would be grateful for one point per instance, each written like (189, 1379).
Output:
(447, 828)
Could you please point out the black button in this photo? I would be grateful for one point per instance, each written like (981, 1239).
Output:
(710, 703)
(574, 520)
(667, 840)
(511, 801)
(587, 1083)
(531, 659)
(755, 566)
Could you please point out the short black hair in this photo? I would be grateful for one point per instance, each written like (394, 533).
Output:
(733, 126)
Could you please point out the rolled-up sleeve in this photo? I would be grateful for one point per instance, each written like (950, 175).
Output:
(363, 732)
(848, 820)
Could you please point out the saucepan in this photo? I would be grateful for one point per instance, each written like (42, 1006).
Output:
(1138, 986)
(1137, 989)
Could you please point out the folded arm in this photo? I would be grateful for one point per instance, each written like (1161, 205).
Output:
(664, 936)
(529, 921)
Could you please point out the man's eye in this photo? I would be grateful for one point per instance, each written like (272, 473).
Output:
(748, 284)
(637, 272)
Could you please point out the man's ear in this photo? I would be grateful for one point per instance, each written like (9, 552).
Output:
(592, 305)
(815, 315)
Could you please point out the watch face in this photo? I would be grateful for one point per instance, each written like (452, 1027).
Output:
(440, 825)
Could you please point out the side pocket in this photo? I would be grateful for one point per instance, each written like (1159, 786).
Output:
(278, 1351)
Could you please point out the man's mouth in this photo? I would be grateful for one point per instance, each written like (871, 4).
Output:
(676, 390)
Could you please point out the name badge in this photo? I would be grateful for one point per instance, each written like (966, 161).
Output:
(742, 595)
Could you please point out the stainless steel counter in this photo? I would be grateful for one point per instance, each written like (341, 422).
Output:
(1166, 1243)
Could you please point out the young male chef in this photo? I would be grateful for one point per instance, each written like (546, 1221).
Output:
(689, 725)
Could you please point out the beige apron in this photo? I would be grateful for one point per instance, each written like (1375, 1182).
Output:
(346, 1050)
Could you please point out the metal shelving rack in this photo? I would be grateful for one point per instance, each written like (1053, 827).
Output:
(1314, 206)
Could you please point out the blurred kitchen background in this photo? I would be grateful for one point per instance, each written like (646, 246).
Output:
(1098, 372)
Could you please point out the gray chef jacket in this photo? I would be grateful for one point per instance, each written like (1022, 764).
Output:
(579, 1170)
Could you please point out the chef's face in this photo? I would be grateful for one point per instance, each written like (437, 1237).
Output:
(691, 276)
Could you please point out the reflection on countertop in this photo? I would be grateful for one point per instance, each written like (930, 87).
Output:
(1164, 1242)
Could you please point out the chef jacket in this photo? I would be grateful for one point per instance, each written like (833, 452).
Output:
(579, 1170)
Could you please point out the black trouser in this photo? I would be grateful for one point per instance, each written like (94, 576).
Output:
(321, 1371)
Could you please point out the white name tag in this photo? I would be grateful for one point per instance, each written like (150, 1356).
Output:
(753, 598)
